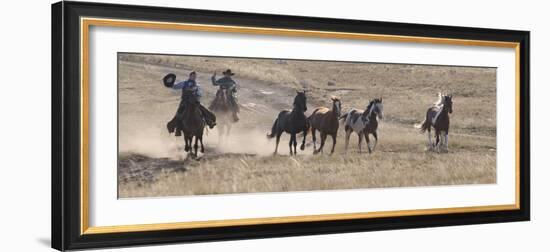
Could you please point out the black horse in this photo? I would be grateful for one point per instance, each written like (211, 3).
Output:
(192, 122)
(291, 122)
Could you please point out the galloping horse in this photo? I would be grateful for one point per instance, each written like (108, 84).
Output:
(223, 106)
(364, 122)
(326, 121)
(437, 117)
(291, 122)
(372, 124)
(192, 122)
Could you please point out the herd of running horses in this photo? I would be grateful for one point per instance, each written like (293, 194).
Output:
(362, 122)
(325, 120)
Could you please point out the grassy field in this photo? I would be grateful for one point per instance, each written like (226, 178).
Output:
(151, 164)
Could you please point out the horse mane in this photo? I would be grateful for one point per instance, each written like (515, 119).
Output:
(298, 97)
(371, 103)
(295, 99)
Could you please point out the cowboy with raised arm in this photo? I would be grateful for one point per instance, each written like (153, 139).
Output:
(191, 85)
(227, 83)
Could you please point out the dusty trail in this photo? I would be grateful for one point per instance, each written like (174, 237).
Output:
(260, 103)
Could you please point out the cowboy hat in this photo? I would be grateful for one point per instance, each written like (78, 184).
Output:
(169, 80)
(228, 71)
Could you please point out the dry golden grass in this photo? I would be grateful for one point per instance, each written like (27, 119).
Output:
(244, 164)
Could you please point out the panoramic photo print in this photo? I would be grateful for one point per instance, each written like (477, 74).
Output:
(202, 125)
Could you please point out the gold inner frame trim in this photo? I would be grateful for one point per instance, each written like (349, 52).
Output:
(289, 219)
(85, 24)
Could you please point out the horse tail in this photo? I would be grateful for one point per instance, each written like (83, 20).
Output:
(273, 129)
(308, 127)
(343, 117)
(424, 125)
(313, 113)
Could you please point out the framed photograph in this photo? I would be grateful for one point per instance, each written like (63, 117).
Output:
(183, 125)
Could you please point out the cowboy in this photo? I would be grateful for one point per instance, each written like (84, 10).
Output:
(189, 84)
(227, 83)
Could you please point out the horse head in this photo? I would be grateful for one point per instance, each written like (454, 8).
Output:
(300, 101)
(374, 109)
(336, 105)
(447, 101)
(378, 108)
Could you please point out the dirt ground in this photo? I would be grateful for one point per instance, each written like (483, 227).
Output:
(153, 163)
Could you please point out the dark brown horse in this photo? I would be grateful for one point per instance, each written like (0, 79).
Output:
(437, 116)
(292, 122)
(225, 107)
(192, 122)
(326, 121)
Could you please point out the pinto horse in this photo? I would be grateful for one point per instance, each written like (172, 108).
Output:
(326, 121)
(364, 122)
(292, 122)
(437, 116)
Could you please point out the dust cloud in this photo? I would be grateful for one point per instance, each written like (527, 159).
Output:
(156, 142)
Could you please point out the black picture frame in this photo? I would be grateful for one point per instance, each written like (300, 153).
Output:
(66, 114)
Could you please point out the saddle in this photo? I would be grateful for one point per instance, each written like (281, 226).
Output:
(175, 125)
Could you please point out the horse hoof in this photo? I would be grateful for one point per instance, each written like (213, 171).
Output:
(302, 147)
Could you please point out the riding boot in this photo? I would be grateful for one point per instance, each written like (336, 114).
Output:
(235, 116)
(235, 107)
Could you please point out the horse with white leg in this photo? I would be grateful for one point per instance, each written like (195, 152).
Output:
(364, 122)
(437, 117)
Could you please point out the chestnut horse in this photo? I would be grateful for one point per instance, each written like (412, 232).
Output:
(326, 121)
